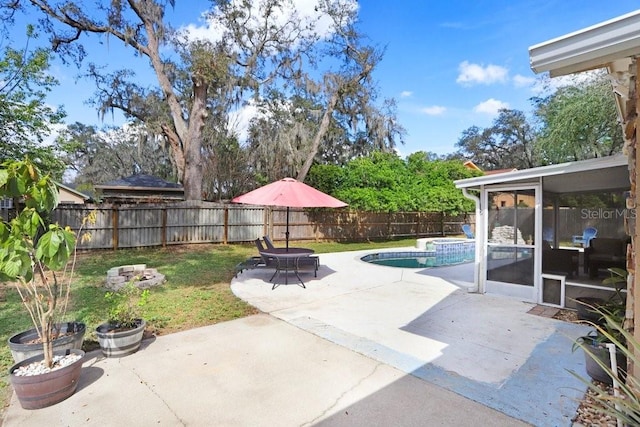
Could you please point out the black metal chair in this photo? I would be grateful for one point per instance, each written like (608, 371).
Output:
(268, 242)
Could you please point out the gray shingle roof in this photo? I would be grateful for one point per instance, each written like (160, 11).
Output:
(141, 180)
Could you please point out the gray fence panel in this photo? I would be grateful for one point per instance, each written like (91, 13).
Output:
(194, 224)
(246, 223)
(139, 227)
(608, 222)
(128, 226)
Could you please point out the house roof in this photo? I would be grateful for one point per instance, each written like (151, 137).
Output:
(73, 191)
(141, 182)
(605, 173)
(496, 171)
(593, 47)
(472, 166)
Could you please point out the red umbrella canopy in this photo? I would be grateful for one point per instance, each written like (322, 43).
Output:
(290, 193)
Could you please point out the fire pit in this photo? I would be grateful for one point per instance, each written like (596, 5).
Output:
(142, 277)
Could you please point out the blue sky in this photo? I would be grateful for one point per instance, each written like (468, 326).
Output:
(445, 61)
(450, 65)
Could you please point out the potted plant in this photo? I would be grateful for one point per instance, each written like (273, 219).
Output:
(37, 258)
(608, 320)
(597, 354)
(67, 335)
(624, 403)
(122, 333)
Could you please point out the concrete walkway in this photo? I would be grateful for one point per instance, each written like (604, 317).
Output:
(362, 345)
(488, 349)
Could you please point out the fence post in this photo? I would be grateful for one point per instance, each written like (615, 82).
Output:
(116, 232)
(268, 221)
(225, 228)
(164, 227)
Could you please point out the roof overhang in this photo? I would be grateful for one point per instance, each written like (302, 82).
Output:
(601, 174)
(590, 48)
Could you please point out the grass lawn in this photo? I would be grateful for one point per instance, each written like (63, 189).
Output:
(196, 292)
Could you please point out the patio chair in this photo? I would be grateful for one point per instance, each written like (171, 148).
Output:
(588, 234)
(466, 229)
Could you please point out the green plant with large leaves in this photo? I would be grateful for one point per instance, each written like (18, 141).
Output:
(35, 255)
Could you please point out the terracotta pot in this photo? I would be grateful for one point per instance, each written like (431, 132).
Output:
(72, 334)
(40, 391)
(118, 343)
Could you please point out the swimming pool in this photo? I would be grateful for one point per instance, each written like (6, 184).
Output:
(438, 252)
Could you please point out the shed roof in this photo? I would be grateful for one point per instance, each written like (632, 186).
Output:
(140, 181)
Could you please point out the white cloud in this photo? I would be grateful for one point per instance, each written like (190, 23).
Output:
(406, 94)
(239, 120)
(523, 81)
(490, 106)
(477, 74)
(434, 110)
(55, 129)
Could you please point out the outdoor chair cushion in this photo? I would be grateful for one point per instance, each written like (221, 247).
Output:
(605, 252)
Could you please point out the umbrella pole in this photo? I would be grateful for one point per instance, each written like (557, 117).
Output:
(286, 233)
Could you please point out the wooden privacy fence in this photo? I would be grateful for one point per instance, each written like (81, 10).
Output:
(130, 226)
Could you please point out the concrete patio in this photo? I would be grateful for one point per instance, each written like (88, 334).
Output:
(426, 323)
(362, 345)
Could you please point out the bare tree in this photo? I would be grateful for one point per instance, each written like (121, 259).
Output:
(327, 119)
(350, 89)
(259, 42)
(98, 156)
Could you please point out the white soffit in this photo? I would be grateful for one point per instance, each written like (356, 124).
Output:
(571, 175)
(589, 48)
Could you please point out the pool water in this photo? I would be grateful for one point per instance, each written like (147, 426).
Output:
(418, 259)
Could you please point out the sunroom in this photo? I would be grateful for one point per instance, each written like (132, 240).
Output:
(530, 230)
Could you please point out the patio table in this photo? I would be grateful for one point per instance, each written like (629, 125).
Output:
(287, 259)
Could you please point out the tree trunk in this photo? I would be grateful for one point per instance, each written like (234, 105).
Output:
(192, 178)
(322, 130)
(176, 148)
(186, 136)
(47, 345)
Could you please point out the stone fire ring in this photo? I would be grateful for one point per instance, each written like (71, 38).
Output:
(118, 277)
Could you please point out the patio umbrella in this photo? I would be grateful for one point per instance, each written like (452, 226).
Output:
(289, 193)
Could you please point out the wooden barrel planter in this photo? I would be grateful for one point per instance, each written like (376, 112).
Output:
(118, 343)
(26, 344)
(42, 390)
